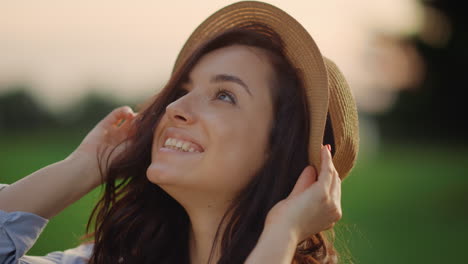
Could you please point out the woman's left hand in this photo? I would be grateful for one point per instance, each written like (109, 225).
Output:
(314, 205)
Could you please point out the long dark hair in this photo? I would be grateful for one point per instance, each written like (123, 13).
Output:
(135, 221)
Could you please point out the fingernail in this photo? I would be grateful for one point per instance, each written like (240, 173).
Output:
(329, 147)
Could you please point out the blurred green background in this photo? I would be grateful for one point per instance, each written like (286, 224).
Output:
(408, 202)
(404, 202)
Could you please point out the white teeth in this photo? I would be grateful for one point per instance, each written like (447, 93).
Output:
(185, 146)
(180, 145)
(172, 141)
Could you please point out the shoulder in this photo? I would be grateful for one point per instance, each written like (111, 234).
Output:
(82, 252)
(78, 255)
(3, 186)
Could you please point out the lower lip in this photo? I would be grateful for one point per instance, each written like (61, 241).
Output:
(168, 150)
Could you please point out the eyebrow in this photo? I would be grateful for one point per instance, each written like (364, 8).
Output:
(230, 78)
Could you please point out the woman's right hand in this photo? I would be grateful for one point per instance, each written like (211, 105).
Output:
(109, 133)
(46, 192)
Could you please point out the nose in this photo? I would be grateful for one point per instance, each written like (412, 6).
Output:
(180, 112)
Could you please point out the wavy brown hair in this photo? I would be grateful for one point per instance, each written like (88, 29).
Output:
(135, 221)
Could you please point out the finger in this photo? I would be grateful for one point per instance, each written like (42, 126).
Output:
(335, 188)
(126, 124)
(307, 177)
(327, 168)
(117, 114)
(114, 117)
(126, 121)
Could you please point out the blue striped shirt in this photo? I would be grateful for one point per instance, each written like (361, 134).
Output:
(18, 233)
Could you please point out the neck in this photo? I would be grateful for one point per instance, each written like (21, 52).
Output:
(201, 237)
(205, 215)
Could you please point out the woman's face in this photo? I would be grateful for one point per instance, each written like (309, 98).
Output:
(214, 137)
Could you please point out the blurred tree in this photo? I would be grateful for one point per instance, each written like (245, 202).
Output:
(89, 110)
(435, 111)
(19, 110)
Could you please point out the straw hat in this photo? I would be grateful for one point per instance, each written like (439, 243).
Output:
(326, 88)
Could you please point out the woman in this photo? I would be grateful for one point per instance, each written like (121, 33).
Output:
(214, 168)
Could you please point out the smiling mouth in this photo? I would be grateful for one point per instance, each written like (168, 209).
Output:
(181, 145)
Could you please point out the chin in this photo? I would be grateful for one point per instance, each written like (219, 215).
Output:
(162, 175)
(165, 175)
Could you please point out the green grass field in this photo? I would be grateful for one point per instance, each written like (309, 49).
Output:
(408, 204)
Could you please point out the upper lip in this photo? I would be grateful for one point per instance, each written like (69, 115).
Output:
(172, 132)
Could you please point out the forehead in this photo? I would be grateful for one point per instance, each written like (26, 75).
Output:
(251, 64)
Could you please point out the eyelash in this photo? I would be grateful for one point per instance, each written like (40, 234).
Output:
(229, 94)
(181, 92)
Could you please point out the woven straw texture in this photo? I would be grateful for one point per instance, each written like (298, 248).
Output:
(344, 119)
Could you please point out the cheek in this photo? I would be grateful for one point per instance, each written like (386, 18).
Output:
(157, 134)
(239, 153)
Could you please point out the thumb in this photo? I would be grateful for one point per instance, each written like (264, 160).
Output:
(116, 115)
(307, 177)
